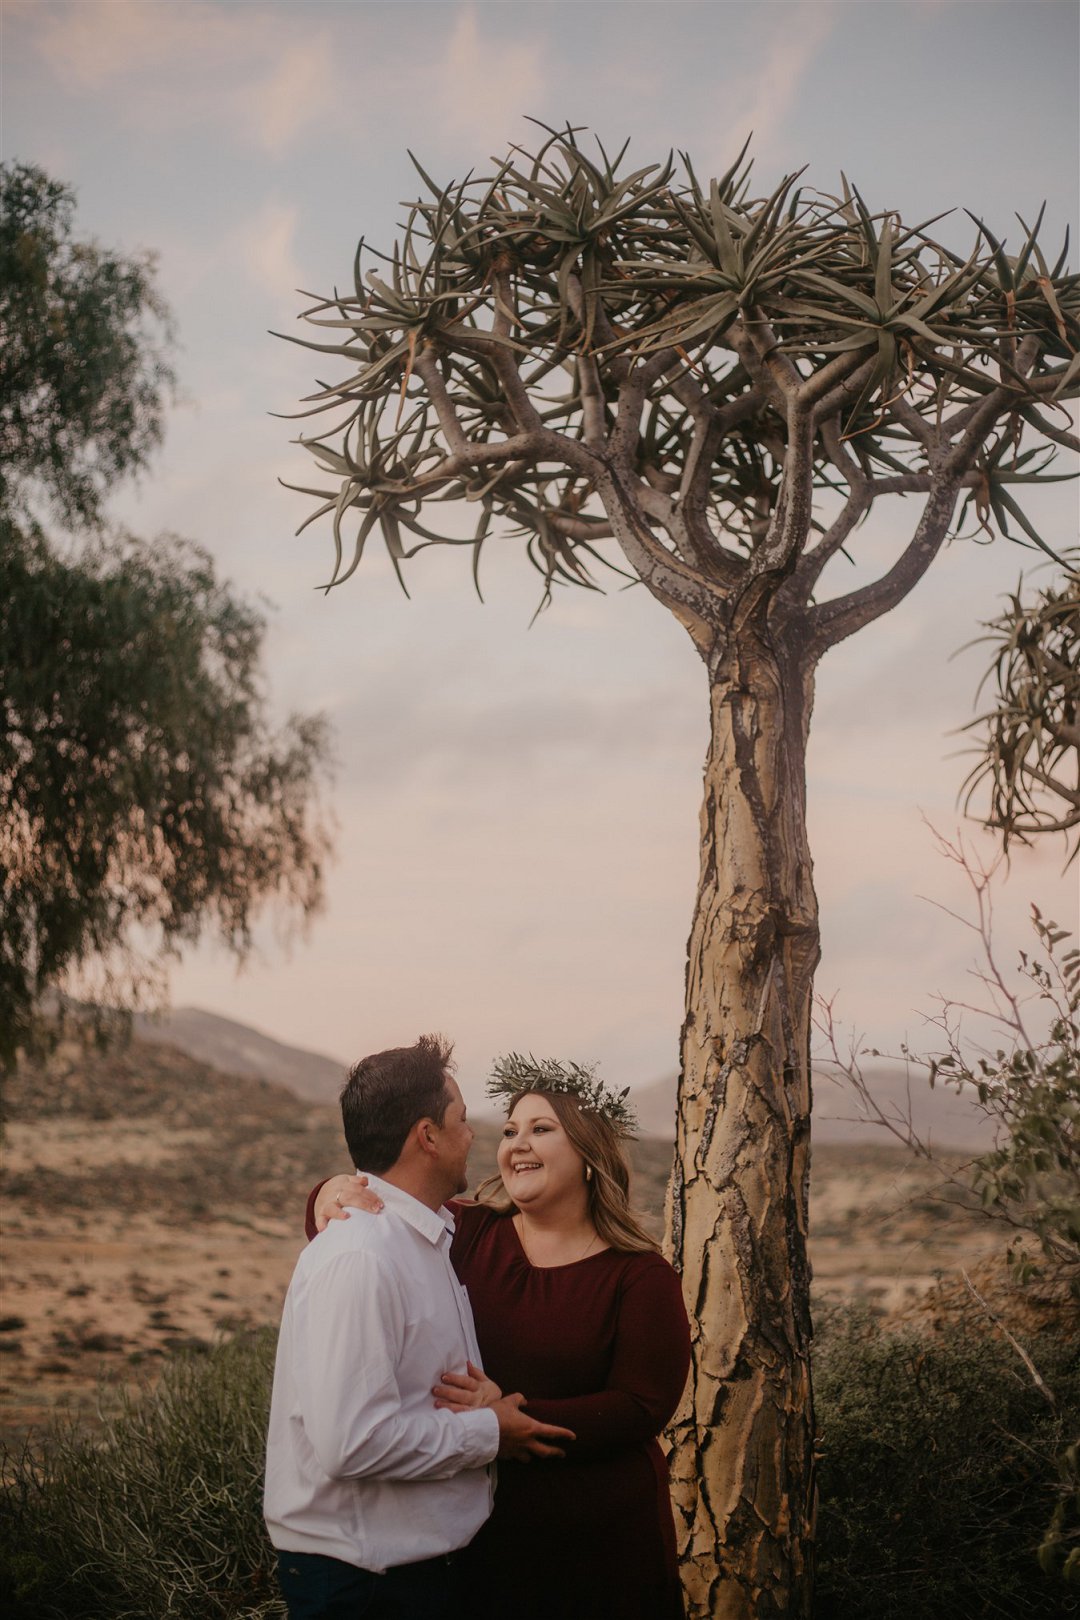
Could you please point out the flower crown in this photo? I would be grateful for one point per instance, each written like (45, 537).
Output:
(513, 1075)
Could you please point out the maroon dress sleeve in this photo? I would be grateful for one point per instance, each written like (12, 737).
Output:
(648, 1369)
(309, 1213)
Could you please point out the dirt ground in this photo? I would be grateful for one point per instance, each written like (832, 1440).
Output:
(150, 1205)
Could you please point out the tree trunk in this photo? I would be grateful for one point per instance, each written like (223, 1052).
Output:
(743, 1439)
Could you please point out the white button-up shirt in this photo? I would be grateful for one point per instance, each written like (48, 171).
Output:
(360, 1466)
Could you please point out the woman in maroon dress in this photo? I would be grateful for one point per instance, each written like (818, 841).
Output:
(574, 1307)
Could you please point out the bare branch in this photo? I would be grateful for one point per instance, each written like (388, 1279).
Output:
(641, 376)
(844, 392)
(1036, 1377)
(529, 448)
(752, 362)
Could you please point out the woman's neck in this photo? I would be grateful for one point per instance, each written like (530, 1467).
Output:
(555, 1237)
(569, 1218)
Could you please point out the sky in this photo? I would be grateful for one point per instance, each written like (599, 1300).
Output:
(517, 807)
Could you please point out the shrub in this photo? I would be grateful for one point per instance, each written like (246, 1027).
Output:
(940, 1474)
(160, 1514)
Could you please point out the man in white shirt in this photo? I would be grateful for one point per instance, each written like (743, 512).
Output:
(369, 1489)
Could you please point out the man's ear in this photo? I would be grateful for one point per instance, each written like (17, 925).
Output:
(427, 1136)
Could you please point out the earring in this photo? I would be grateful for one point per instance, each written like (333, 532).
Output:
(588, 1172)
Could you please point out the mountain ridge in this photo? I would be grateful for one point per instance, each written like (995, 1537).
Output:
(949, 1120)
(236, 1048)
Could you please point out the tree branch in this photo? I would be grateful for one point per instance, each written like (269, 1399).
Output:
(917, 425)
(790, 523)
(427, 369)
(501, 360)
(831, 622)
(848, 388)
(782, 369)
(580, 528)
(822, 386)
(809, 568)
(988, 410)
(617, 365)
(542, 445)
(746, 349)
(633, 392)
(592, 402)
(1070, 795)
(694, 603)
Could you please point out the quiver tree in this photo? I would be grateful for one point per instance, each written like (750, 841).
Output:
(709, 392)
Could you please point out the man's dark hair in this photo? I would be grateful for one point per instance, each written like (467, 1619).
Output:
(387, 1093)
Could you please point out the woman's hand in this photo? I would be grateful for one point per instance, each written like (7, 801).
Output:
(341, 1193)
(465, 1392)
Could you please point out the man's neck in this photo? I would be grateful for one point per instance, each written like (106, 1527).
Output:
(416, 1185)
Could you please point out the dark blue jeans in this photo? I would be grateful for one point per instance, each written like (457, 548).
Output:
(318, 1588)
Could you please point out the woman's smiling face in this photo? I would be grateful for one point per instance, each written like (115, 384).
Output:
(537, 1161)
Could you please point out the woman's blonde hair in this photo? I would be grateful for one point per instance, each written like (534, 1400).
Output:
(608, 1188)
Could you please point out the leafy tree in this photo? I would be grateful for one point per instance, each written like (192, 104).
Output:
(83, 368)
(144, 794)
(723, 386)
(1030, 736)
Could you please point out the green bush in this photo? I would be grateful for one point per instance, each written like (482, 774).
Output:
(940, 1474)
(160, 1515)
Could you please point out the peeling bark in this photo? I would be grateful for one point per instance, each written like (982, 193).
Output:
(742, 1459)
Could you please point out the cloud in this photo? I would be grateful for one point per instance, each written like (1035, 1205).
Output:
(270, 77)
(299, 89)
(97, 43)
(483, 84)
(264, 247)
(258, 71)
(760, 100)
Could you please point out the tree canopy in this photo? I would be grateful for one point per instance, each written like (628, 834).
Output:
(145, 794)
(143, 786)
(84, 374)
(585, 353)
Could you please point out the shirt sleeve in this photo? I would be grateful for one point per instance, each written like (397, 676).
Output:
(648, 1370)
(348, 1331)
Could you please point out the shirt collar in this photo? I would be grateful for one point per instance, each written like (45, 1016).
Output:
(430, 1223)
